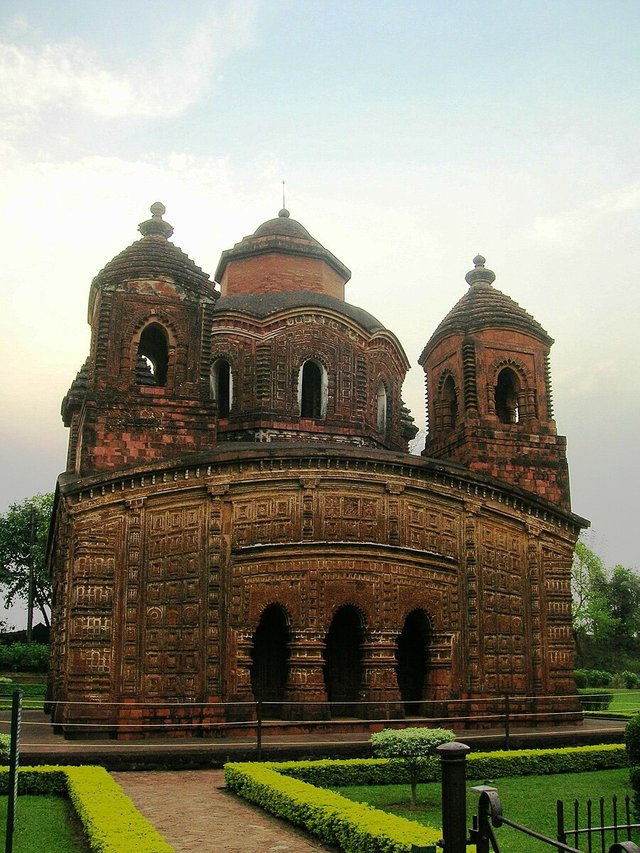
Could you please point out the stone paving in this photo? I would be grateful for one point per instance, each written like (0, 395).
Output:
(194, 812)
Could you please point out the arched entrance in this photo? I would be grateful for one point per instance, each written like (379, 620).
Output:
(270, 657)
(412, 658)
(343, 661)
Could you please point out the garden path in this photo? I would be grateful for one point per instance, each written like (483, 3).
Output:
(194, 812)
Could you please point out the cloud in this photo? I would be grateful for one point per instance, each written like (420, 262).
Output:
(572, 226)
(66, 75)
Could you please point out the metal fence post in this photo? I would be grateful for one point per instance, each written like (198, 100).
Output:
(454, 797)
(507, 722)
(14, 767)
(259, 730)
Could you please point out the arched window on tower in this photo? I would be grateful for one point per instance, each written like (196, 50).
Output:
(449, 403)
(152, 359)
(312, 390)
(506, 396)
(381, 407)
(222, 386)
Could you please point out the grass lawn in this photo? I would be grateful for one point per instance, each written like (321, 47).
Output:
(43, 823)
(33, 686)
(624, 700)
(529, 800)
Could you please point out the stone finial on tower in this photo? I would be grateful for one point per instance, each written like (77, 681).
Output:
(479, 273)
(156, 225)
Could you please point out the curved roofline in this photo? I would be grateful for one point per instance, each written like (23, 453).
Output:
(505, 314)
(197, 468)
(281, 235)
(316, 302)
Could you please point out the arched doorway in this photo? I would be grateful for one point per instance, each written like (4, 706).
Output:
(343, 661)
(412, 660)
(270, 658)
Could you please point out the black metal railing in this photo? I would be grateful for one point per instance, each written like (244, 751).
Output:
(599, 825)
(490, 816)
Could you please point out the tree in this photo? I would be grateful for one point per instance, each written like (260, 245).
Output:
(623, 594)
(591, 612)
(24, 529)
(411, 745)
(606, 609)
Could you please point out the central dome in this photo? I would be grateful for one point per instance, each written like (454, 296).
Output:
(281, 256)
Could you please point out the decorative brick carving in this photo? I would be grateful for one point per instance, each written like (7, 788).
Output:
(197, 555)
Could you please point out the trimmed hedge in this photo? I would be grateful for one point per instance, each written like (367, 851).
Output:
(111, 822)
(522, 762)
(294, 790)
(355, 827)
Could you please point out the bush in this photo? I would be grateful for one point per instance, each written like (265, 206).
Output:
(629, 679)
(5, 746)
(632, 740)
(355, 827)
(634, 778)
(24, 657)
(580, 676)
(110, 821)
(479, 765)
(595, 700)
(592, 678)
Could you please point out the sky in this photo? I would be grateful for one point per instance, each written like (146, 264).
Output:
(411, 135)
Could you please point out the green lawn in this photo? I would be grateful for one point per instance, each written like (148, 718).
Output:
(529, 800)
(43, 823)
(624, 701)
(33, 688)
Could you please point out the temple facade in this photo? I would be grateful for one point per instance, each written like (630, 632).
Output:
(240, 518)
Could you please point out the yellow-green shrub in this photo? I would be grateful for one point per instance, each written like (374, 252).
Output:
(111, 822)
(355, 827)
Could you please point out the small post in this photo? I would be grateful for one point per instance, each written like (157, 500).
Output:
(259, 730)
(14, 764)
(560, 833)
(30, 590)
(507, 721)
(454, 798)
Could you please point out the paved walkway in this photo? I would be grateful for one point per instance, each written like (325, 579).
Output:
(194, 812)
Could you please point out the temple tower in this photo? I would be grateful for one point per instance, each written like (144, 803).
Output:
(489, 392)
(143, 393)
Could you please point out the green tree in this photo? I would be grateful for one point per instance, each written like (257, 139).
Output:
(606, 611)
(23, 540)
(413, 746)
(623, 594)
(592, 616)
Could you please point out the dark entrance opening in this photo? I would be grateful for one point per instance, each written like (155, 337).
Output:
(270, 656)
(412, 658)
(343, 662)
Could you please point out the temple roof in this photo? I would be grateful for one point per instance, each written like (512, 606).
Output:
(281, 235)
(262, 305)
(154, 255)
(483, 306)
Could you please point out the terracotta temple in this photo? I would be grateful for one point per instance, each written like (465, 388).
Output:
(240, 518)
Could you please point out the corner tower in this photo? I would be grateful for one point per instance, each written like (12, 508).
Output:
(489, 403)
(143, 393)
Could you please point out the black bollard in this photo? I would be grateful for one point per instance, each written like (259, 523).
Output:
(454, 797)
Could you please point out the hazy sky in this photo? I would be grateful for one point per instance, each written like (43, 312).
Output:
(412, 136)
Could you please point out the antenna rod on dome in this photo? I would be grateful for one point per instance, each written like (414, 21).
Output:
(283, 201)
